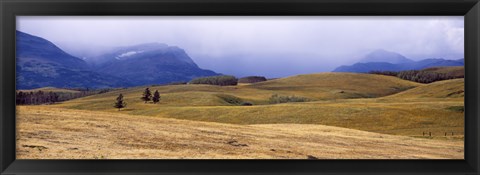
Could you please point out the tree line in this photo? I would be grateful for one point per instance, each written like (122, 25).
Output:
(419, 76)
(220, 80)
(36, 98)
(252, 79)
(43, 97)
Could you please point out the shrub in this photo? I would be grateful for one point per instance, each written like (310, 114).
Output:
(274, 99)
(252, 79)
(247, 104)
(457, 108)
(221, 80)
(230, 99)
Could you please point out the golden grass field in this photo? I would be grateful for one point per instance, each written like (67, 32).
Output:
(352, 116)
(55, 133)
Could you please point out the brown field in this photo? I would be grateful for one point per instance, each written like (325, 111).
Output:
(54, 133)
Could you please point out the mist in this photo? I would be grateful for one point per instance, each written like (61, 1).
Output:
(268, 46)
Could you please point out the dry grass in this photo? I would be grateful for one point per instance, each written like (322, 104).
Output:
(46, 132)
(441, 89)
(411, 112)
(364, 119)
(326, 86)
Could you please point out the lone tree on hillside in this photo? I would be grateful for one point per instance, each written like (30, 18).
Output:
(147, 95)
(120, 103)
(156, 97)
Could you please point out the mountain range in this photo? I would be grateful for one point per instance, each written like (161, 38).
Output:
(382, 60)
(41, 63)
(151, 63)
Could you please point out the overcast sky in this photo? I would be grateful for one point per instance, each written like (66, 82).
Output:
(271, 46)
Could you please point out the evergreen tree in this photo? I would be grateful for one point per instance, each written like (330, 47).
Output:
(120, 103)
(156, 97)
(147, 95)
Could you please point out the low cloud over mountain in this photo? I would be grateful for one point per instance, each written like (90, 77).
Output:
(41, 63)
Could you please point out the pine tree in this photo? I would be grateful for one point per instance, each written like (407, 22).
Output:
(156, 97)
(120, 103)
(147, 95)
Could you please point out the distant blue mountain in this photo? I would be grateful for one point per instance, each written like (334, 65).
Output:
(31, 47)
(461, 60)
(151, 63)
(395, 62)
(384, 56)
(41, 63)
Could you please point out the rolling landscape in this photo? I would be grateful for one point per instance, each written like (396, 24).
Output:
(153, 101)
(194, 121)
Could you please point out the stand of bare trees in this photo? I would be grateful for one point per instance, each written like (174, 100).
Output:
(35, 98)
(42, 97)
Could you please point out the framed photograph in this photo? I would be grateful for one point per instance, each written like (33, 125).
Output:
(239, 87)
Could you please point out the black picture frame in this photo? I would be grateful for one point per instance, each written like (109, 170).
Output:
(470, 9)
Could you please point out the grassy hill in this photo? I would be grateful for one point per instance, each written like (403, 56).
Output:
(323, 86)
(335, 102)
(46, 132)
(453, 88)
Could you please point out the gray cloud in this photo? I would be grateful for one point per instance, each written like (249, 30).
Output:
(272, 46)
